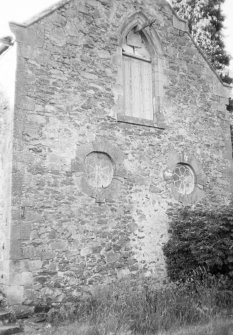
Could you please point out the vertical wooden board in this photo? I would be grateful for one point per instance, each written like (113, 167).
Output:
(150, 81)
(147, 91)
(127, 85)
(143, 88)
(130, 87)
(136, 89)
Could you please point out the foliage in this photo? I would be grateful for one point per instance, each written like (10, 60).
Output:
(205, 22)
(138, 306)
(201, 238)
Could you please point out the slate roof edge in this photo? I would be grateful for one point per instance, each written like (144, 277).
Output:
(62, 3)
(7, 43)
(3, 49)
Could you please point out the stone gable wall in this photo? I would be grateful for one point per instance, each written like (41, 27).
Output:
(7, 75)
(67, 236)
(5, 142)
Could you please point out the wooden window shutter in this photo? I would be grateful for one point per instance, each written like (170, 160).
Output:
(137, 78)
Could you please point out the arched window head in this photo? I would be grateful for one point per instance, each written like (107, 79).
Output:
(137, 76)
(136, 45)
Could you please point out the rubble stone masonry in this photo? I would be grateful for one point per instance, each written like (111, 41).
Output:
(69, 233)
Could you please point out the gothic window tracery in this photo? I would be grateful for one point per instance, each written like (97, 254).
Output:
(183, 179)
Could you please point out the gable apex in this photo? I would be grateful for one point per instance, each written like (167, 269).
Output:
(177, 22)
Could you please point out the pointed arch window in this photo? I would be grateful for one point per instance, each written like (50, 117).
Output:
(139, 89)
(137, 76)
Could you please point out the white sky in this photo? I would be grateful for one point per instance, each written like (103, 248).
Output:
(22, 10)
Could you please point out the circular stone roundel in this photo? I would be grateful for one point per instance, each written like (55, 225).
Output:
(99, 169)
(183, 179)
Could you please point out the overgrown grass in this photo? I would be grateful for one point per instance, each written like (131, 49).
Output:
(140, 307)
(215, 327)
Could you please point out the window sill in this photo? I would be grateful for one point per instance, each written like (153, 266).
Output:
(138, 121)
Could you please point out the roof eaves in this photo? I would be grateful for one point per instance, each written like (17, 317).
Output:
(3, 49)
(5, 44)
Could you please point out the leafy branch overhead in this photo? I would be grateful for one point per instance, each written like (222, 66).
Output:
(205, 21)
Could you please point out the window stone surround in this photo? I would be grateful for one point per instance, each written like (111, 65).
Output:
(78, 166)
(174, 158)
(139, 20)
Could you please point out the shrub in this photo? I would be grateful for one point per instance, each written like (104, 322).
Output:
(200, 238)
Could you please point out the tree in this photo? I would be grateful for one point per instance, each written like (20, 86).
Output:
(205, 22)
